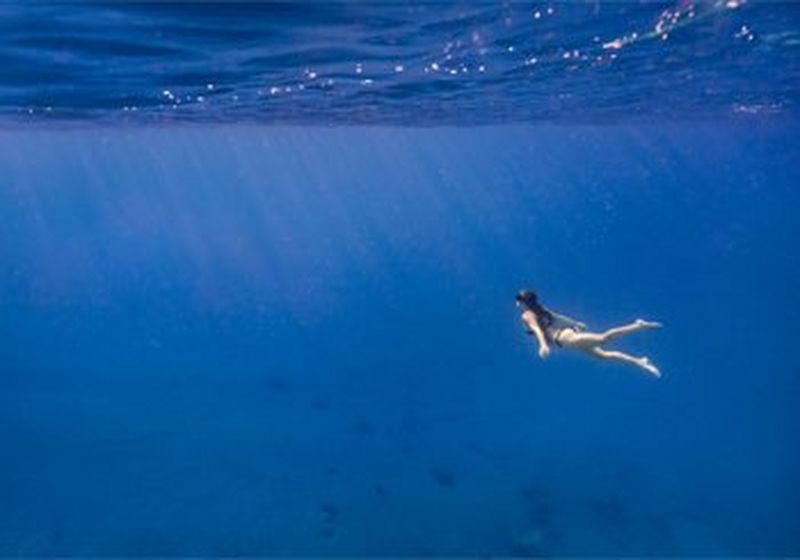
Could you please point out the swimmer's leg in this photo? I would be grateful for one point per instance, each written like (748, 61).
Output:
(637, 325)
(616, 356)
(587, 341)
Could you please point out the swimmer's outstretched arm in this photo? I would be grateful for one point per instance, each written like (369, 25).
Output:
(530, 321)
(568, 320)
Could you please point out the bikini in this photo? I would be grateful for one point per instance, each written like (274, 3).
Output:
(545, 320)
(554, 333)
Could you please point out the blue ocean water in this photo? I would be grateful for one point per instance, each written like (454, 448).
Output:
(240, 317)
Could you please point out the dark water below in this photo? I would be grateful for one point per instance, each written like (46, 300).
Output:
(232, 340)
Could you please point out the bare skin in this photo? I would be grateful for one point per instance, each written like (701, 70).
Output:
(572, 335)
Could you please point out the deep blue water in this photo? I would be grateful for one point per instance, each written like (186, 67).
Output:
(224, 335)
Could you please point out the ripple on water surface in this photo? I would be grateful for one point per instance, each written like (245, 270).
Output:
(397, 63)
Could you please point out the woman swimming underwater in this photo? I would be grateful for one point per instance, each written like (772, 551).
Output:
(550, 327)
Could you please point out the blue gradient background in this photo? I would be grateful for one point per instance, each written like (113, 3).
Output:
(226, 340)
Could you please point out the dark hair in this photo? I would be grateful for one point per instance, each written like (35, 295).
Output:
(530, 300)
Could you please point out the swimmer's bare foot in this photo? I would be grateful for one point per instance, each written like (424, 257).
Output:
(647, 365)
(647, 324)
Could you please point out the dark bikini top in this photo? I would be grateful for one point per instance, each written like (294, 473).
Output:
(545, 320)
(543, 316)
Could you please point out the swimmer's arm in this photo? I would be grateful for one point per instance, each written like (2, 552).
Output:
(568, 320)
(544, 348)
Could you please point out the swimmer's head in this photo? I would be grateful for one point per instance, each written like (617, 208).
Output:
(527, 298)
